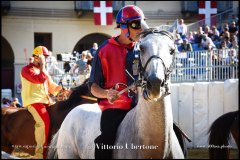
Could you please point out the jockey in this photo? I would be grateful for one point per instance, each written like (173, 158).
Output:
(37, 85)
(108, 68)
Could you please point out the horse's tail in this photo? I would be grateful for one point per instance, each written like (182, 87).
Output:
(220, 134)
(52, 150)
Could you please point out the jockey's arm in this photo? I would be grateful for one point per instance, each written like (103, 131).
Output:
(99, 92)
(53, 88)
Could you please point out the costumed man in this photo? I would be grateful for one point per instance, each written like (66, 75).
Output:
(108, 68)
(36, 90)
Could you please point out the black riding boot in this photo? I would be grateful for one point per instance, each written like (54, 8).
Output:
(110, 120)
(101, 150)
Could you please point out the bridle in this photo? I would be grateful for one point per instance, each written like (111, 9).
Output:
(167, 70)
(142, 79)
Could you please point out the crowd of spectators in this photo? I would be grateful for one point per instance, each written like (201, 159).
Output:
(223, 38)
(11, 103)
(207, 38)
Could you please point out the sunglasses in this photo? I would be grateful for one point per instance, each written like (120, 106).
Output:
(37, 56)
(135, 24)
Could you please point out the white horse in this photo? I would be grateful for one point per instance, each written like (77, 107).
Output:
(147, 130)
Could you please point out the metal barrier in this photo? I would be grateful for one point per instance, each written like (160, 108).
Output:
(69, 78)
(214, 65)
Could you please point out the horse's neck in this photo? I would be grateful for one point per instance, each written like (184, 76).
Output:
(154, 121)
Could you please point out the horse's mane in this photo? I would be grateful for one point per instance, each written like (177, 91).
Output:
(75, 98)
(156, 30)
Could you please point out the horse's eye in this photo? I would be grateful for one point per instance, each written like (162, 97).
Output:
(141, 48)
(172, 51)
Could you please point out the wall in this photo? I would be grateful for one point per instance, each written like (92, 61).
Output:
(161, 6)
(196, 105)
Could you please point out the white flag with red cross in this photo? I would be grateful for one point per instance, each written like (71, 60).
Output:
(103, 12)
(208, 10)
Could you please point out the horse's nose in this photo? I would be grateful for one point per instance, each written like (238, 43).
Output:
(153, 84)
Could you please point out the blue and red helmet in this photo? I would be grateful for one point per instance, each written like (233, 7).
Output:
(128, 13)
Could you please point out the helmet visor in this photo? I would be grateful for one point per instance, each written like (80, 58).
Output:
(138, 24)
(135, 24)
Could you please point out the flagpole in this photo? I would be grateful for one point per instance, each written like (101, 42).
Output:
(25, 53)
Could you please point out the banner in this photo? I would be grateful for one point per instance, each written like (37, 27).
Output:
(103, 12)
(208, 10)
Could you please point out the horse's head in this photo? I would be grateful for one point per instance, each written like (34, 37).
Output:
(157, 52)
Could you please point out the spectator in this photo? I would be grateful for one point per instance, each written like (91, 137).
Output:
(198, 35)
(224, 26)
(190, 37)
(224, 51)
(233, 19)
(182, 29)
(16, 103)
(89, 63)
(208, 31)
(226, 37)
(207, 43)
(234, 44)
(223, 45)
(232, 57)
(215, 34)
(233, 30)
(6, 102)
(178, 40)
(186, 46)
(51, 65)
(81, 65)
(94, 49)
(66, 66)
(233, 38)
(224, 30)
(227, 40)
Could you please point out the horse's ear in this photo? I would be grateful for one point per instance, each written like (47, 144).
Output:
(144, 25)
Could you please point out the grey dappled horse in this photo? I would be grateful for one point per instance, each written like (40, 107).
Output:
(147, 130)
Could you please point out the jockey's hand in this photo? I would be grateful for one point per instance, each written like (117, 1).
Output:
(64, 94)
(112, 95)
(42, 60)
(134, 89)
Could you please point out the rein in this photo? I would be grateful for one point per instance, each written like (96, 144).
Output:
(88, 98)
(81, 96)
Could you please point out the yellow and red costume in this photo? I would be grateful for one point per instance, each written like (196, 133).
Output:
(35, 96)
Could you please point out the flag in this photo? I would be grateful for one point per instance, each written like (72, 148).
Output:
(208, 10)
(103, 12)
